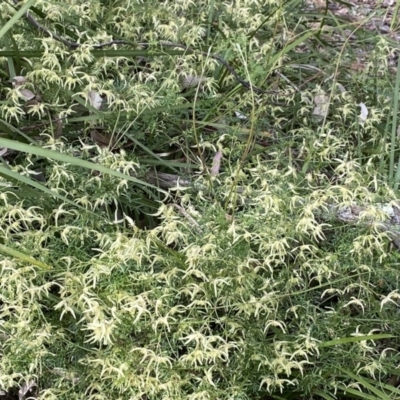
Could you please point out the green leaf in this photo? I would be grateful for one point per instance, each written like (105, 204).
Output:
(151, 153)
(385, 385)
(291, 46)
(322, 394)
(15, 145)
(23, 257)
(362, 381)
(37, 185)
(16, 17)
(357, 393)
(345, 340)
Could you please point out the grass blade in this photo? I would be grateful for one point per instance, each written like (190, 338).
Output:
(23, 257)
(362, 381)
(16, 176)
(16, 17)
(336, 342)
(325, 396)
(15, 145)
(394, 123)
(357, 393)
(386, 386)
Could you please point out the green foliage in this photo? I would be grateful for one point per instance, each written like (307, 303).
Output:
(240, 283)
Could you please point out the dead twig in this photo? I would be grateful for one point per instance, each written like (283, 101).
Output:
(167, 181)
(194, 223)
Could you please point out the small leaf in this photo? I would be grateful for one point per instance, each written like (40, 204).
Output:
(102, 139)
(190, 81)
(18, 81)
(216, 163)
(341, 88)
(59, 126)
(25, 388)
(240, 115)
(321, 106)
(95, 99)
(364, 113)
(26, 94)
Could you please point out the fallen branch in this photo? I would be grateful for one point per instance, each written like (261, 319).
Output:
(194, 223)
